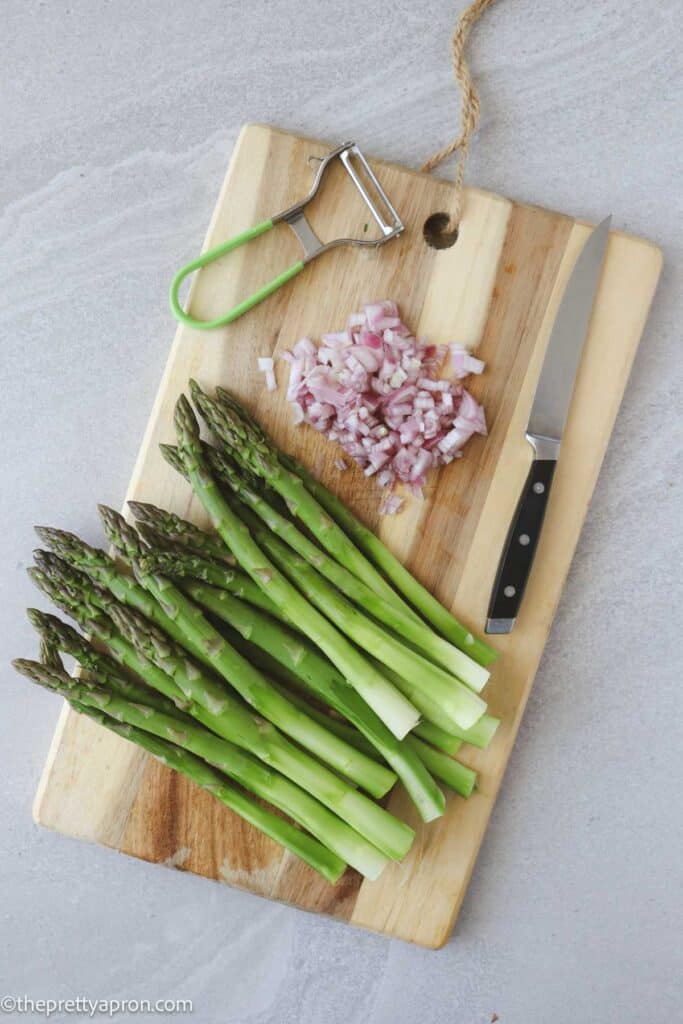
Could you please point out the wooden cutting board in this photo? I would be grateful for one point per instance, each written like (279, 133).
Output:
(496, 290)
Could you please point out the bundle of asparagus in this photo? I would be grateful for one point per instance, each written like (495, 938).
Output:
(288, 651)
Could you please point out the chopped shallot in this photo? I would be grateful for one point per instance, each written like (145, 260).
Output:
(378, 391)
(391, 505)
(267, 367)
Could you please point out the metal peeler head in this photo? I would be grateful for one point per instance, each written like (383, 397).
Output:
(380, 206)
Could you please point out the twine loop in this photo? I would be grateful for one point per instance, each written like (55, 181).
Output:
(441, 225)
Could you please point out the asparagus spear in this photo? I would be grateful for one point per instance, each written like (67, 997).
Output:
(174, 563)
(304, 846)
(104, 571)
(56, 635)
(404, 582)
(480, 735)
(412, 630)
(253, 687)
(167, 669)
(216, 575)
(82, 603)
(71, 582)
(394, 709)
(381, 828)
(59, 636)
(173, 457)
(256, 453)
(456, 702)
(447, 742)
(482, 731)
(322, 679)
(259, 779)
(180, 531)
(455, 775)
(367, 773)
(179, 564)
(367, 634)
(49, 653)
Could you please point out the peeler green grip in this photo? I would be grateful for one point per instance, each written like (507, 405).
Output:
(214, 254)
(390, 226)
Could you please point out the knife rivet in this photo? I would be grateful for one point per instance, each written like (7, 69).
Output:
(539, 488)
(524, 539)
(509, 591)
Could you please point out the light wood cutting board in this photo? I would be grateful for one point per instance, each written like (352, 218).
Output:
(496, 290)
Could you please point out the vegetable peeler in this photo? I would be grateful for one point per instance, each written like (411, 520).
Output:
(385, 215)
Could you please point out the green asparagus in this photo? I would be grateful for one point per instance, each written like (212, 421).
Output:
(256, 453)
(251, 684)
(104, 571)
(374, 778)
(412, 630)
(180, 531)
(178, 564)
(394, 709)
(167, 670)
(455, 775)
(304, 846)
(385, 831)
(264, 782)
(480, 734)
(59, 636)
(457, 703)
(405, 583)
(322, 679)
(449, 692)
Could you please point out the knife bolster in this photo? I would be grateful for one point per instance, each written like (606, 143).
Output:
(546, 449)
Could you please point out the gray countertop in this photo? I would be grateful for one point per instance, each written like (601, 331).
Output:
(118, 119)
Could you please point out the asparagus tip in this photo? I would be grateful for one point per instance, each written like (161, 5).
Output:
(48, 534)
(121, 534)
(23, 666)
(112, 520)
(39, 620)
(44, 675)
(140, 509)
(50, 563)
(184, 415)
(171, 454)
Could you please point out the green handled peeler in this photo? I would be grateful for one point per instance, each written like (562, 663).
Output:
(390, 225)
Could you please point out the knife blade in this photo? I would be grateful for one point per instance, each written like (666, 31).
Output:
(545, 428)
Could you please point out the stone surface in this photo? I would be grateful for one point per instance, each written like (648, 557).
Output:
(118, 121)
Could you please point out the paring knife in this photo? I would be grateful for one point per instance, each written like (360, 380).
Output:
(546, 426)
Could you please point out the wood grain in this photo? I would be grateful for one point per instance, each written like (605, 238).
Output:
(496, 290)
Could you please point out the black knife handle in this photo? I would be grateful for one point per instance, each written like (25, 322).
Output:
(520, 547)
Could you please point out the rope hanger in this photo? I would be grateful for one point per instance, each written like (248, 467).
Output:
(441, 230)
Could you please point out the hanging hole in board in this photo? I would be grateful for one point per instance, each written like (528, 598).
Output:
(436, 233)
